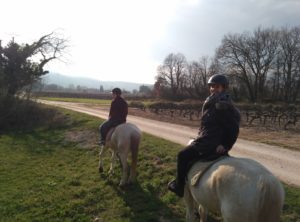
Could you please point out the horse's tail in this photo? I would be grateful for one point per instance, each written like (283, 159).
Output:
(134, 146)
(271, 199)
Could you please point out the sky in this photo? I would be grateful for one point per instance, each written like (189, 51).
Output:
(126, 40)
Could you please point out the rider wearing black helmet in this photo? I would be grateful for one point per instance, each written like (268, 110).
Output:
(116, 91)
(117, 114)
(218, 132)
(218, 79)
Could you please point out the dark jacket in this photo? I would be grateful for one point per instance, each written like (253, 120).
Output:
(219, 124)
(118, 110)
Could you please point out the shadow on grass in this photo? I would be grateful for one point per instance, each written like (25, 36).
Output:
(47, 135)
(36, 142)
(145, 205)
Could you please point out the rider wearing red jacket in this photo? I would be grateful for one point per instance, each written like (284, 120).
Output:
(117, 114)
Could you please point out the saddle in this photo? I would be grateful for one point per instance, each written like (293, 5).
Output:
(202, 167)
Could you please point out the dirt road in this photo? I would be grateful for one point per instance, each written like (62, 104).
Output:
(283, 163)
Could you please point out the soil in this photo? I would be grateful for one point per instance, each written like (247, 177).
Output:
(86, 139)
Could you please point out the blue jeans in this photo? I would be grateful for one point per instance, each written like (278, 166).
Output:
(106, 126)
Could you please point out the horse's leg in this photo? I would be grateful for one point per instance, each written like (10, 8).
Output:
(101, 153)
(191, 211)
(134, 156)
(112, 162)
(203, 213)
(123, 159)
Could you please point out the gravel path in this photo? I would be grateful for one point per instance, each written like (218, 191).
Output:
(283, 163)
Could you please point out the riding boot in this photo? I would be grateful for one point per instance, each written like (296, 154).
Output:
(176, 188)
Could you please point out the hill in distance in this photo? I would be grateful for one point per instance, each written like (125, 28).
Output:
(66, 81)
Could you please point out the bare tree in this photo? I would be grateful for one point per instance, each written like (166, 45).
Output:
(260, 51)
(286, 79)
(231, 56)
(198, 74)
(250, 56)
(193, 81)
(173, 71)
(22, 65)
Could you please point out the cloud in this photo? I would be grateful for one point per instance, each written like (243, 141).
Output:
(126, 40)
(198, 30)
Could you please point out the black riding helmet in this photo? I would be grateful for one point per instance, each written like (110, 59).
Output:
(117, 91)
(218, 79)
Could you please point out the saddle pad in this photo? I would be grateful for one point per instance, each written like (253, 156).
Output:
(201, 168)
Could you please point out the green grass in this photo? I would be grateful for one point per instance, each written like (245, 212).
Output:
(291, 208)
(90, 101)
(46, 176)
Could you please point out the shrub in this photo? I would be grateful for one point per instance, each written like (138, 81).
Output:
(19, 114)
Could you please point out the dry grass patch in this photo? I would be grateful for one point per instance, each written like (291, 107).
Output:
(86, 139)
(272, 135)
(284, 138)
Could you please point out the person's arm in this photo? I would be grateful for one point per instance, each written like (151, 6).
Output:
(126, 109)
(229, 119)
(112, 109)
(221, 149)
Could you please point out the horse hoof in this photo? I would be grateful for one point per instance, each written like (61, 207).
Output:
(130, 184)
(100, 170)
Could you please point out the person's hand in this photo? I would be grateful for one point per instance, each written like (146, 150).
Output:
(220, 149)
(191, 141)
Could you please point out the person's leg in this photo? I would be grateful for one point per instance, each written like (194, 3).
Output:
(184, 159)
(104, 128)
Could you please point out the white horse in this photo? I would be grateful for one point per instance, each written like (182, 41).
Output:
(239, 189)
(122, 139)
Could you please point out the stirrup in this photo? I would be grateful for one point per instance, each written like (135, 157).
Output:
(102, 143)
(173, 187)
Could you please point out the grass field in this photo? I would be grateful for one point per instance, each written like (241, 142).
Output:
(79, 100)
(88, 101)
(50, 174)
